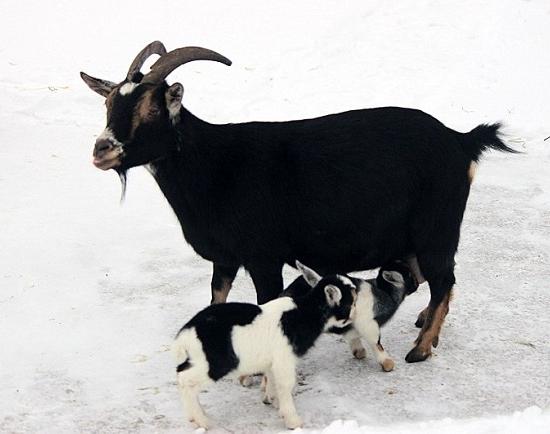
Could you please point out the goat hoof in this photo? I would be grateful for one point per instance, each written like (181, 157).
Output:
(417, 355)
(388, 365)
(246, 380)
(293, 422)
(359, 353)
(435, 342)
(201, 422)
(269, 400)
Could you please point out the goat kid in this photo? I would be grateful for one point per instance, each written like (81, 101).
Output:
(236, 339)
(377, 301)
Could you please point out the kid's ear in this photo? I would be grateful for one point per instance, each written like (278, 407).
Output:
(312, 278)
(333, 295)
(393, 277)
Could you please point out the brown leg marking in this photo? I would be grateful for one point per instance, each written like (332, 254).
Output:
(422, 317)
(429, 335)
(387, 364)
(246, 380)
(472, 171)
(219, 295)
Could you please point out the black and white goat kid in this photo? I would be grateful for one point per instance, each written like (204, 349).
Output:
(255, 194)
(236, 339)
(377, 301)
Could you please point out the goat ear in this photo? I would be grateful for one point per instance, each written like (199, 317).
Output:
(174, 95)
(312, 278)
(393, 277)
(333, 295)
(103, 87)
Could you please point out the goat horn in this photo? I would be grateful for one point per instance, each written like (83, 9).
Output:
(155, 47)
(170, 61)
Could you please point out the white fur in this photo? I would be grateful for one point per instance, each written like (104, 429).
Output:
(173, 102)
(127, 88)
(340, 323)
(395, 278)
(107, 134)
(365, 326)
(174, 112)
(260, 346)
(151, 169)
(333, 295)
(345, 280)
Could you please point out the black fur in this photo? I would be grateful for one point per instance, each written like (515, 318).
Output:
(387, 297)
(213, 326)
(328, 191)
(303, 325)
(342, 192)
(183, 366)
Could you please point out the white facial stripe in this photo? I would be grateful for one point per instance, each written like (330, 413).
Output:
(107, 134)
(127, 88)
(345, 280)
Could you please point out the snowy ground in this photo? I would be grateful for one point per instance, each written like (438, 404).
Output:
(92, 292)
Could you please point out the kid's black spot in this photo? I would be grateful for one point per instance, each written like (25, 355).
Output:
(213, 326)
(183, 366)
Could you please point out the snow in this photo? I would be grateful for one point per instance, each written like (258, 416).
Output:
(531, 420)
(93, 292)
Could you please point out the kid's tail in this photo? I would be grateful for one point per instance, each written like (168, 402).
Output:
(181, 355)
(481, 138)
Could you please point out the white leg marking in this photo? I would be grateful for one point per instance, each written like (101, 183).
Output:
(284, 375)
(371, 332)
(270, 391)
(191, 404)
(354, 340)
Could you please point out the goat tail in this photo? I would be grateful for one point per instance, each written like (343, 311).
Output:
(483, 137)
(181, 355)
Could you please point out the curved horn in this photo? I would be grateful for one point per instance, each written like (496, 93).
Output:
(155, 47)
(167, 63)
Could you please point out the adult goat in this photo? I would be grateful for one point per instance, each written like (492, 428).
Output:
(342, 192)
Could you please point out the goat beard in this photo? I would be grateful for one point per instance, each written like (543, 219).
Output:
(122, 174)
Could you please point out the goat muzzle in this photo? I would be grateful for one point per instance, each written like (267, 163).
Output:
(106, 154)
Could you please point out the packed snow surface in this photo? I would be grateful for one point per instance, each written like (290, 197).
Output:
(92, 292)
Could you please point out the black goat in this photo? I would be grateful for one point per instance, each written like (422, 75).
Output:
(342, 192)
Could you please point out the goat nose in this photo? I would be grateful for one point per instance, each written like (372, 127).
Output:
(102, 146)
